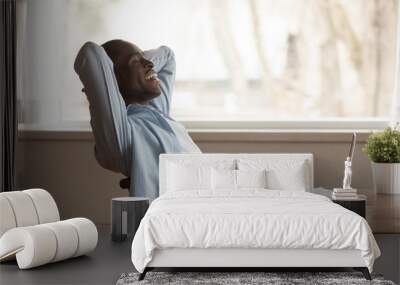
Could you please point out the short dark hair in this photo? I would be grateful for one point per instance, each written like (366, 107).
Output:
(113, 48)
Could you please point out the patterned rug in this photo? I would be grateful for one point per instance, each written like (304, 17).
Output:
(273, 278)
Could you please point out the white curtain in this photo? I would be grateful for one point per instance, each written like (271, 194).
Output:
(396, 94)
(41, 60)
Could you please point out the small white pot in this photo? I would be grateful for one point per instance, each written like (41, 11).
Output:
(386, 177)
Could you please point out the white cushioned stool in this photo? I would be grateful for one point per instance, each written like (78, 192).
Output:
(31, 230)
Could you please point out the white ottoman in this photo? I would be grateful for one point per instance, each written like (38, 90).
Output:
(31, 232)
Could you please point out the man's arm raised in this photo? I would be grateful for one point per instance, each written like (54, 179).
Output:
(163, 59)
(109, 121)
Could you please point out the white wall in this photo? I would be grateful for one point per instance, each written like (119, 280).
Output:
(64, 164)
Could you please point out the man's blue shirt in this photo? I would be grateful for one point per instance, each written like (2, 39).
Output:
(130, 139)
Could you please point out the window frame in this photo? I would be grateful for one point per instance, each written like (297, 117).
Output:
(301, 125)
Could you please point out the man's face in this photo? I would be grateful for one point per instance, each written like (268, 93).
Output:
(137, 80)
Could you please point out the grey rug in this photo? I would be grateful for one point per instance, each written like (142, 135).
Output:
(225, 278)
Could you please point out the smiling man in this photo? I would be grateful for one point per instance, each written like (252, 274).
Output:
(137, 80)
(132, 127)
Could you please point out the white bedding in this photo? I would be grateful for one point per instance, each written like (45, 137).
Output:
(250, 218)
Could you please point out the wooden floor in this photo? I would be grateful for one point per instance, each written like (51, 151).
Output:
(383, 212)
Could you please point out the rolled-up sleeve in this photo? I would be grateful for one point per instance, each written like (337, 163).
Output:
(111, 128)
(163, 59)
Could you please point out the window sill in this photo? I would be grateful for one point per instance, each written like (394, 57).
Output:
(289, 136)
(223, 131)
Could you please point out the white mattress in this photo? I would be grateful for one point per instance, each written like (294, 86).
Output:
(259, 219)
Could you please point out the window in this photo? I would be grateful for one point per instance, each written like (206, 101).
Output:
(251, 60)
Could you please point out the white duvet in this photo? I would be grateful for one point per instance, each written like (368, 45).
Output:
(250, 219)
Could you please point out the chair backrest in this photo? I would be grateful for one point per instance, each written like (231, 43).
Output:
(281, 163)
(125, 183)
(26, 208)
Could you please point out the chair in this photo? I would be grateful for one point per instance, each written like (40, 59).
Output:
(125, 183)
(31, 231)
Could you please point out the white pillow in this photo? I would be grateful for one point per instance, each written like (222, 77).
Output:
(227, 179)
(293, 179)
(251, 178)
(223, 179)
(188, 177)
(281, 174)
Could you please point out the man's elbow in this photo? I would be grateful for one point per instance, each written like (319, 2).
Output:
(169, 51)
(170, 55)
(170, 58)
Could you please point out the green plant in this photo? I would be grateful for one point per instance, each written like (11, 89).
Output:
(384, 147)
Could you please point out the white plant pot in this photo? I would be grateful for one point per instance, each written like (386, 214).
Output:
(386, 177)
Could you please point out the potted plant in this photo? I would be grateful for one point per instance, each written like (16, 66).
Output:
(383, 149)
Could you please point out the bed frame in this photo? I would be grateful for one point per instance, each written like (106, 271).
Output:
(242, 259)
(250, 259)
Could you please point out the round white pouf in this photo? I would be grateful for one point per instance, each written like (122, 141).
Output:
(45, 206)
(88, 235)
(26, 208)
(41, 244)
(7, 216)
(23, 208)
(67, 240)
(33, 246)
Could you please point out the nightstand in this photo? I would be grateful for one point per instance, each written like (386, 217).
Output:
(126, 214)
(356, 205)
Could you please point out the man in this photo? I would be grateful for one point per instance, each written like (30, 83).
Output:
(132, 127)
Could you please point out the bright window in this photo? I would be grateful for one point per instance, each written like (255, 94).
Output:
(250, 60)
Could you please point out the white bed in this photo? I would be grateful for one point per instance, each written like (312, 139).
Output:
(199, 224)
